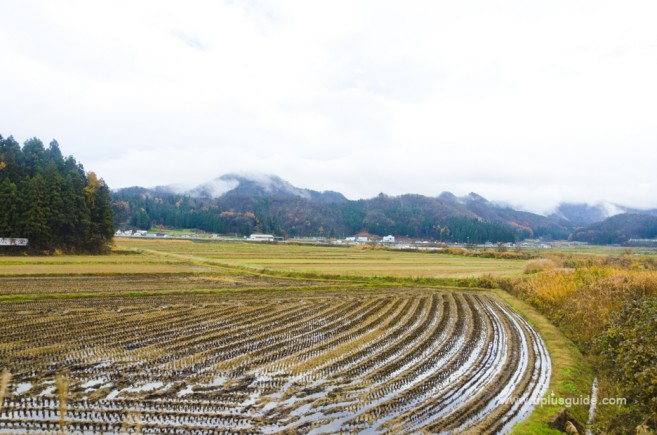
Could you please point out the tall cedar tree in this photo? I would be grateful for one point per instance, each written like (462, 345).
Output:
(49, 199)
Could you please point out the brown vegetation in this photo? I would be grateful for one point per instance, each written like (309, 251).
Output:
(600, 304)
(4, 385)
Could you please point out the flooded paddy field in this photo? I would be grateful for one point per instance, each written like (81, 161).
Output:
(380, 360)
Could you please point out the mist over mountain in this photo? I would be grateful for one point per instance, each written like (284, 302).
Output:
(247, 203)
(585, 214)
(580, 213)
(252, 185)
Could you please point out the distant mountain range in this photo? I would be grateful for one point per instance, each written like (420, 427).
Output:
(244, 204)
(584, 214)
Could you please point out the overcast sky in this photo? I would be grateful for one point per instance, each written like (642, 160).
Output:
(530, 103)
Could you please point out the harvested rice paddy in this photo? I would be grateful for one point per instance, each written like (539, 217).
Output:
(211, 343)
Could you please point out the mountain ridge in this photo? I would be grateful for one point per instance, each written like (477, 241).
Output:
(618, 229)
(241, 204)
(248, 185)
(257, 184)
(246, 203)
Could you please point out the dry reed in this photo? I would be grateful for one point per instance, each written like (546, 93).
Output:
(62, 384)
(4, 385)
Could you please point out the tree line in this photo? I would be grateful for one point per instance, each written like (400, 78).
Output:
(412, 216)
(50, 200)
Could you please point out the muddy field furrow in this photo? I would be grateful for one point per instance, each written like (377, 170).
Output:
(247, 329)
(293, 343)
(534, 383)
(393, 330)
(439, 367)
(399, 344)
(455, 386)
(350, 335)
(466, 405)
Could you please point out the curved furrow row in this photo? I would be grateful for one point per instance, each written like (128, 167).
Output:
(515, 404)
(406, 369)
(403, 374)
(395, 329)
(228, 328)
(445, 388)
(468, 401)
(452, 365)
(249, 332)
(431, 318)
(296, 342)
(375, 372)
(341, 345)
(243, 344)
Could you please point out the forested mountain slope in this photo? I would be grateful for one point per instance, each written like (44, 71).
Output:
(234, 204)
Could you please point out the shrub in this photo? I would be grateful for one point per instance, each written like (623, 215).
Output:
(629, 354)
(487, 280)
(583, 301)
(539, 265)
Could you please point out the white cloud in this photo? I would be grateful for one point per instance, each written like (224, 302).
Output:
(520, 102)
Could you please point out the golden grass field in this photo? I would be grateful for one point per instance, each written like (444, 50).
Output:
(330, 260)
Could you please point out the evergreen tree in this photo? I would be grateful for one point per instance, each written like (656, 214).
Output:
(34, 223)
(8, 208)
(55, 205)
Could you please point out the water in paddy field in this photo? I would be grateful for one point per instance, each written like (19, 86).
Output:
(377, 362)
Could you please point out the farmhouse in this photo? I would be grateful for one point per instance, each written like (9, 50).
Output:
(388, 239)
